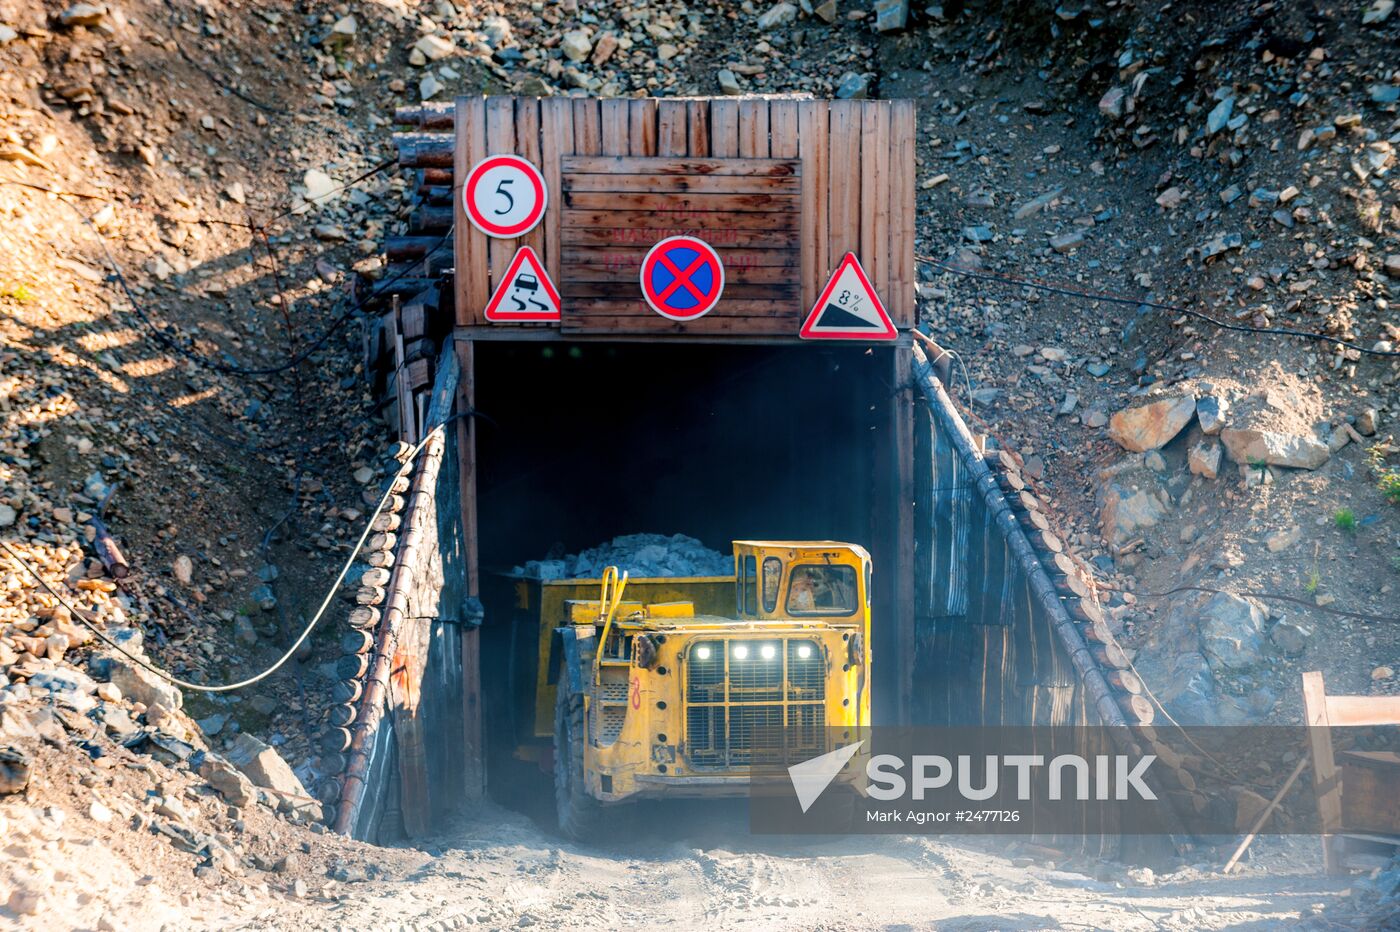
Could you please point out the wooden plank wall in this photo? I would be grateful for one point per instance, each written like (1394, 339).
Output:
(616, 208)
(852, 189)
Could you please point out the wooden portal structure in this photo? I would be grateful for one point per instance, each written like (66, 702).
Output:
(615, 419)
(1356, 790)
(782, 188)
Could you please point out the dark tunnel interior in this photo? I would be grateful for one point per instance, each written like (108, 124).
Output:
(580, 442)
(586, 441)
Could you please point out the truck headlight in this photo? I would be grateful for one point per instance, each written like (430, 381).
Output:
(740, 651)
(804, 651)
(702, 653)
(768, 651)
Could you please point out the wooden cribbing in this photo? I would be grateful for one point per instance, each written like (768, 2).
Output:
(1097, 632)
(1072, 585)
(1110, 655)
(1137, 709)
(1010, 482)
(347, 691)
(1085, 609)
(1033, 520)
(1125, 680)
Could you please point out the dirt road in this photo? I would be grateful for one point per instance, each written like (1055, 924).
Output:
(504, 871)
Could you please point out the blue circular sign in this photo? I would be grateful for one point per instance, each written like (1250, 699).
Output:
(682, 277)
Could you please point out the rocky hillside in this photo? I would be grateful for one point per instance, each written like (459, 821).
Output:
(1236, 163)
(180, 352)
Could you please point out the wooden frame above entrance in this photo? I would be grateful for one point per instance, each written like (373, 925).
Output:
(782, 189)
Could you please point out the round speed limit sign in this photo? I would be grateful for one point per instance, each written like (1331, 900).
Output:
(504, 196)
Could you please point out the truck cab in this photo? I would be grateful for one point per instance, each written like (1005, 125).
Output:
(656, 700)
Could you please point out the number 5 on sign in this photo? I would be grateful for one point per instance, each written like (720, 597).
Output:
(504, 196)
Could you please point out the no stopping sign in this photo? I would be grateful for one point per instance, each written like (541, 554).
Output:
(682, 278)
(504, 196)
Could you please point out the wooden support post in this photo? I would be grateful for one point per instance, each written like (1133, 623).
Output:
(902, 416)
(1327, 783)
(473, 745)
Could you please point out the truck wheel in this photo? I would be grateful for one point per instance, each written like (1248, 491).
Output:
(579, 813)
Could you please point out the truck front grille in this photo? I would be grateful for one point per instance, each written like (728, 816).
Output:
(749, 701)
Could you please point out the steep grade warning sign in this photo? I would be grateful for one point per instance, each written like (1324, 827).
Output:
(848, 308)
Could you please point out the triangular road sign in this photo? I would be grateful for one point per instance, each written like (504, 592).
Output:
(848, 308)
(525, 291)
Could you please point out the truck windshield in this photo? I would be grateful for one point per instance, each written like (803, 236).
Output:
(772, 577)
(748, 586)
(822, 590)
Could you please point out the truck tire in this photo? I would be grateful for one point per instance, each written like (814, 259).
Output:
(580, 815)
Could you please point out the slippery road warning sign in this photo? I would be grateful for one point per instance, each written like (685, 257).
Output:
(525, 291)
(682, 278)
(848, 308)
(504, 196)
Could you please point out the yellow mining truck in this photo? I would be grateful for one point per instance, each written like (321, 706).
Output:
(653, 699)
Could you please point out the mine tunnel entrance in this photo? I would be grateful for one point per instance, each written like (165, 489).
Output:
(614, 416)
(580, 442)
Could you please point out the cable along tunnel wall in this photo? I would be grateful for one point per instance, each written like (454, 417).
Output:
(409, 754)
(995, 645)
(1008, 628)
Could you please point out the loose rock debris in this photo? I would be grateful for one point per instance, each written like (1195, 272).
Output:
(1240, 158)
(640, 556)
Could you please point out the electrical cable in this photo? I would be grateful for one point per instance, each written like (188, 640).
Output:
(1136, 302)
(353, 182)
(195, 356)
(215, 79)
(310, 625)
(1274, 597)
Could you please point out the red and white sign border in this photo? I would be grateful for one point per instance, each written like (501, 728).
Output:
(807, 333)
(493, 229)
(523, 255)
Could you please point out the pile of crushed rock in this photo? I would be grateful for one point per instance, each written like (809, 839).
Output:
(638, 555)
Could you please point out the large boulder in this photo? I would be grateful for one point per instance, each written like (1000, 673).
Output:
(141, 685)
(266, 768)
(231, 784)
(1172, 665)
(1123, 512)
(1250, 447)
(1153, 425)
(1232, 632)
